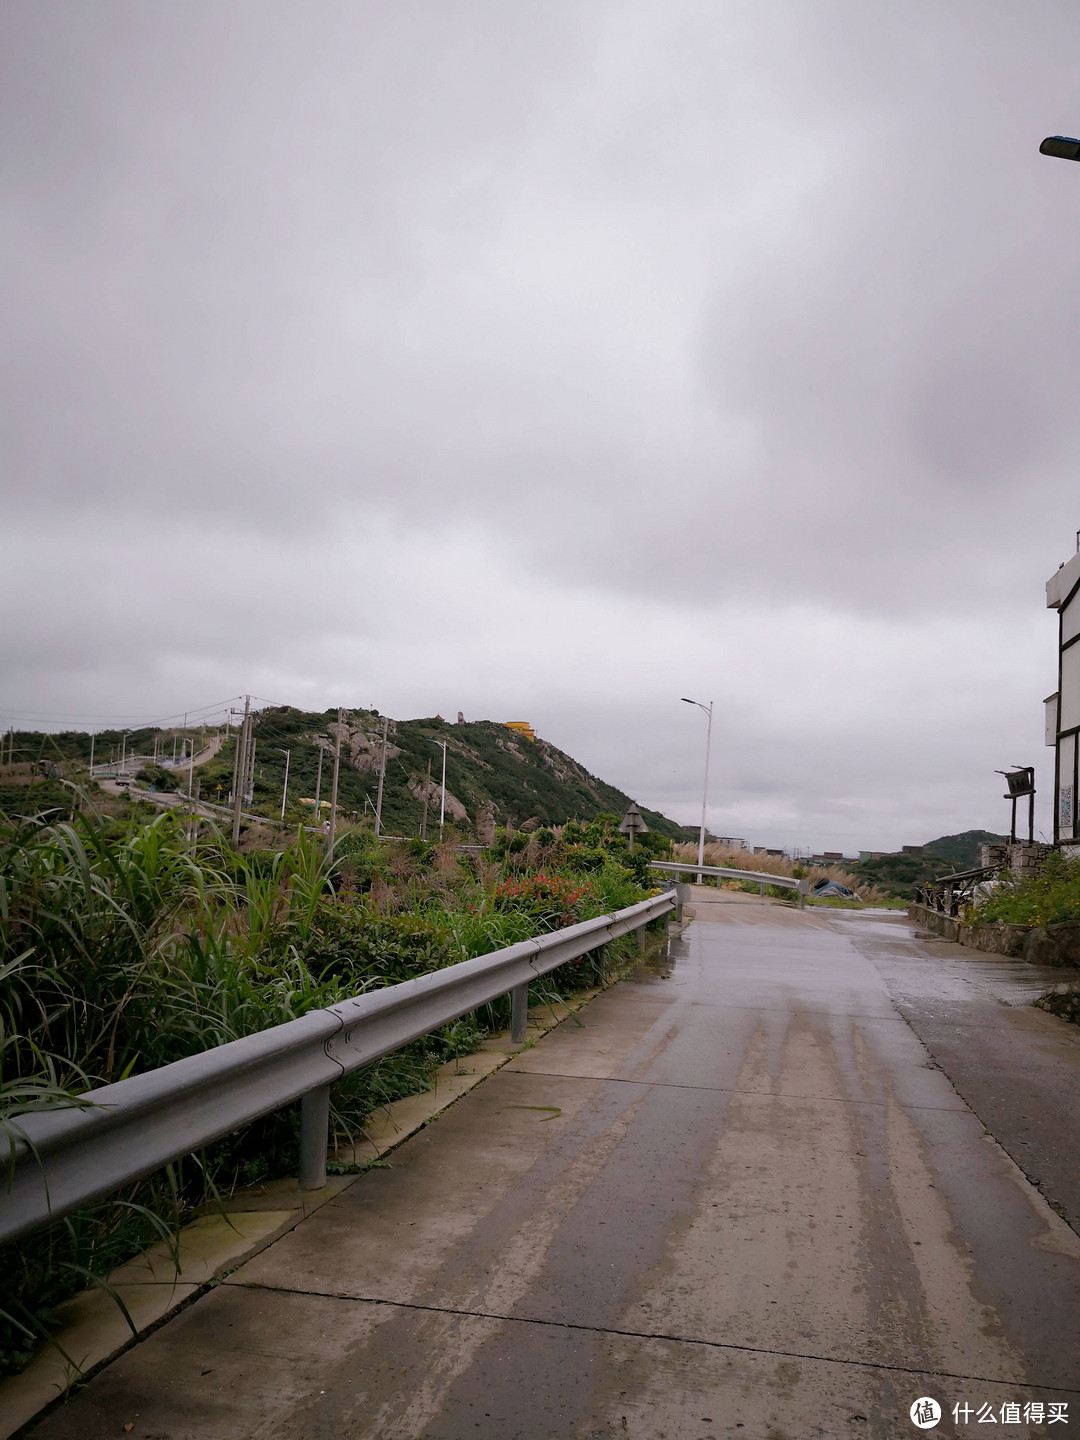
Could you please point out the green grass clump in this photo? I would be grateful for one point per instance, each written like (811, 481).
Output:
(1049, 898)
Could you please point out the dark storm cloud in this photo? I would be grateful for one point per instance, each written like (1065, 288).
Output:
(739, 311)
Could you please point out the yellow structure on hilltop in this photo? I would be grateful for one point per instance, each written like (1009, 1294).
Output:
(522, 727)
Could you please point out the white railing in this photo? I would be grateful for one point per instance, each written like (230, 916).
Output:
(761, 878)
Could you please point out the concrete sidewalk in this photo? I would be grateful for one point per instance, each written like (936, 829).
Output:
(738, 1199)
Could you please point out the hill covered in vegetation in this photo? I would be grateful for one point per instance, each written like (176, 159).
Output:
(495, 777)
(898, 874)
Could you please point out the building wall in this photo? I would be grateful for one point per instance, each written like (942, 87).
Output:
(1063, 709)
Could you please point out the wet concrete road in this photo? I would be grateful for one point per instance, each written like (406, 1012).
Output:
(740, 1199)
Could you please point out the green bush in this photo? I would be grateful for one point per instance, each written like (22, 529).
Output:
(158, 778)
(1048, 898)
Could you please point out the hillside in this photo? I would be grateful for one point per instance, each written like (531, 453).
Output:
(493, 775)
(899, 874)
(963, 852)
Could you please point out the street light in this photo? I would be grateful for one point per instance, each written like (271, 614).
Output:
(442, 805)
(1061, 147)
(705, 791)
(285, 787)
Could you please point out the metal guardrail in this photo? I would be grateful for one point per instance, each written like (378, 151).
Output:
(70, 1157)
(760, 877)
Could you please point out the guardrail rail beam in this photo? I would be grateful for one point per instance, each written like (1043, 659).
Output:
(760, 877)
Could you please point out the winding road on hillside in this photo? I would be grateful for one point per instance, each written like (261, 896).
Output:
(778, 1183)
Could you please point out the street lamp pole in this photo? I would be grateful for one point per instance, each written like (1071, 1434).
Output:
(705, 789)
(442, 804)
(382, 776)
(334, 784)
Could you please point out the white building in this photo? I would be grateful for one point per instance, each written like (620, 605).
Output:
(1063, 707)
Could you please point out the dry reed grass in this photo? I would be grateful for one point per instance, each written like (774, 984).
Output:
(781, 865)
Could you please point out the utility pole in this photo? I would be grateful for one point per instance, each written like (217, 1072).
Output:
(194, 824)
(285, 787)
(334, 783)
(382, 777)
(93, 737)
(708, 709)
(427, 791)
(318, 790)
(240, 770)
(442, 803)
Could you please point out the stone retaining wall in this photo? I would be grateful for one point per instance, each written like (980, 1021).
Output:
(1039, 945)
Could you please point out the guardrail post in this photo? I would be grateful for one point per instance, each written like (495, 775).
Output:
(681, 896)
(761, 887)
(640, 932)
(519, 1012)
(314, 1135)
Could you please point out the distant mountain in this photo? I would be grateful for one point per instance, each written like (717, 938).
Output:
(963, 851)
(899, 874)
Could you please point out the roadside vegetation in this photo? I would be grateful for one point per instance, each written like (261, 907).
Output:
(125, 945)
(1049, 898)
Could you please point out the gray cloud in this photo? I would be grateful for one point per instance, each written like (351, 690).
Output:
(334, 328)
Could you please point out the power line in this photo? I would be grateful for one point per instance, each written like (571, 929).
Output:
(124, 720)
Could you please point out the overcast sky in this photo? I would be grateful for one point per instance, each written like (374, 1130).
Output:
(552, 361)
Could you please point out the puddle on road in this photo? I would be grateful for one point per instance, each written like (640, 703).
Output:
(660, 965)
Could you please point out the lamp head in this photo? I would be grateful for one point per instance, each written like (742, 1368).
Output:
(1061, 147)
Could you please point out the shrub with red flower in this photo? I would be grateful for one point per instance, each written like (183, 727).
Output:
(551, 901)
